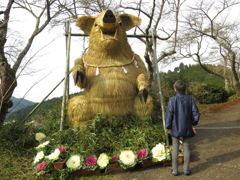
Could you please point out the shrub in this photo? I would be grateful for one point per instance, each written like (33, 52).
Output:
(17, 137)
(209, 94)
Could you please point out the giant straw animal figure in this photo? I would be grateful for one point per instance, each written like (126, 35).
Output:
(113, 76)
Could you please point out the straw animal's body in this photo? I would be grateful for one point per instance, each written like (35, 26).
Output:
(110, 72)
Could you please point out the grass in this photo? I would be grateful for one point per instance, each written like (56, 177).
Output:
(16, 167)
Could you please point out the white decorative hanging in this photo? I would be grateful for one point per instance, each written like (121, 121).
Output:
(135, 63)
(97, 71)
(124, 69)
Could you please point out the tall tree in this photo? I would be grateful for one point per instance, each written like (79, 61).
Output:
(7, 74)
(211, 35)
(43, 11)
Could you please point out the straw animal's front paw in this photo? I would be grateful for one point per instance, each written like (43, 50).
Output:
(78, 77)
(143, 94)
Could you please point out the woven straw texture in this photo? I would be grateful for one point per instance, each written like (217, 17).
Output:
(113, 73)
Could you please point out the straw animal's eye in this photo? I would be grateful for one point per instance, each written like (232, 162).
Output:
(120, 23)
(95, 24)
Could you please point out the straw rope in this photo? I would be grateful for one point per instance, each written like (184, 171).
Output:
(110, 65)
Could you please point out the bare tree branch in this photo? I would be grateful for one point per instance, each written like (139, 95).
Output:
(210, 20)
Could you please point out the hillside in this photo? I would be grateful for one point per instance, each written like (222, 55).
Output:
(39, 114)
(194, 74)
(205, 88)
(27, 106)
(19, 103)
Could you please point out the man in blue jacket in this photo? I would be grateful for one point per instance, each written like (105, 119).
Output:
(181, 114)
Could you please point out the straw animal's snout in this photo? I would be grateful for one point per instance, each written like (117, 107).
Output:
(109, 26)
(109, 17)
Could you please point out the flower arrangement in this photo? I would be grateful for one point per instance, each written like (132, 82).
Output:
(142, 155)
(73, 145)
(47, 153)
(38, 157)
(158, 153)
(127, 159)
(40, 136)
(42, 168)
(74, 163)
(103, 160)
(114, 158)
(43, 145)
(53, 156)
(90, 163)
(58, 155)
(39, 164)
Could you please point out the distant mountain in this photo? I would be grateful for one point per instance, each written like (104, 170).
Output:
(25, 107)
(19, 103)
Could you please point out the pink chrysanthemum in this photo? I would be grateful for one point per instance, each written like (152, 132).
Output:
(41, 166)
(142, 153)
(181, 147)
(62, 149)
(91, 161)
(115, 157)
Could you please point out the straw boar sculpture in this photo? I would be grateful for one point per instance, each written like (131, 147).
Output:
(113, 76)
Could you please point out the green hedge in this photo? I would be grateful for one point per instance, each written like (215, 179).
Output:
(209, 94)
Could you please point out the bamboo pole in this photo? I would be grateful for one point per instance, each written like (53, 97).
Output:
(156, 71)
(65, 88)
(44, 99)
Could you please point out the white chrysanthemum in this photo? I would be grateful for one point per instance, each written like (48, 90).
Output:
(38, 157)
(103, 160)
(127, 157)
(43, 145)
(54, 156)
(74, 162)
(40, 136)
(159, 152)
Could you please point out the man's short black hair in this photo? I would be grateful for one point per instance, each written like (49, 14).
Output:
(180, 86)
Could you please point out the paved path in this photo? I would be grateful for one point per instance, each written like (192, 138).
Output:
(215, 150)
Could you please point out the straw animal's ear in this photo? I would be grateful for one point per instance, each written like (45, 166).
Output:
(85, 23)
(129, 21)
